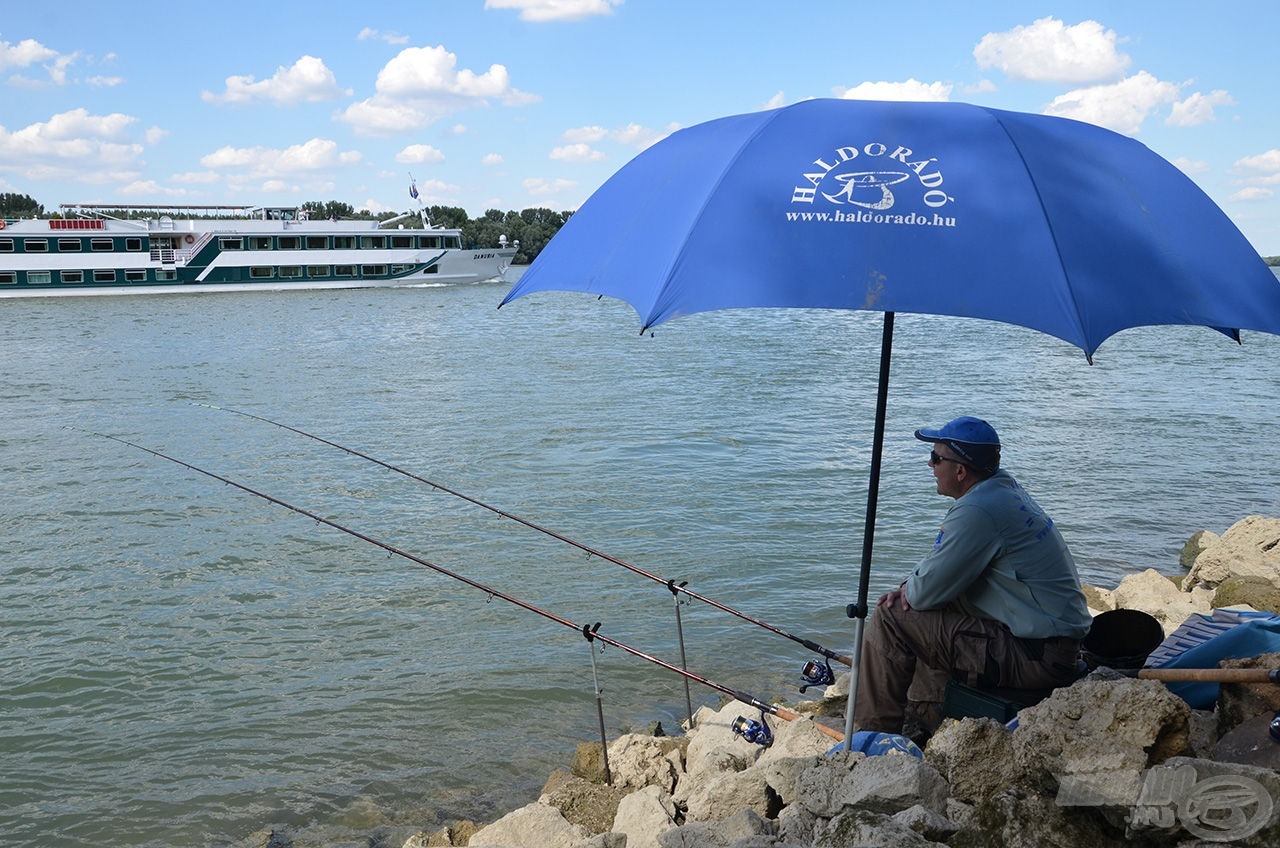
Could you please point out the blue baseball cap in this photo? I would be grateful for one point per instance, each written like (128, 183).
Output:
(973, 440)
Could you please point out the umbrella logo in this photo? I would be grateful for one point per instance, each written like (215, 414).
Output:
(867, 180)
(846, 169)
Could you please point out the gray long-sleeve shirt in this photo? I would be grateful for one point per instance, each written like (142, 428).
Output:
(998, 555)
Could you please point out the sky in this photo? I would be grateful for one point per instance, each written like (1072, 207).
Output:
(512, 104)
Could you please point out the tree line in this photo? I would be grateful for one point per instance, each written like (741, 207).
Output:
(532, 228)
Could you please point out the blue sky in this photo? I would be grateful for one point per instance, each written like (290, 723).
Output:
(511, 104)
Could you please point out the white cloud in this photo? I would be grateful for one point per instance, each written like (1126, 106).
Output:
(421, 85)
(1265, 163)
(416, 154)
(458, 129)
(492, 159)
(24, 54)
(104, 82)
(438, 192)
(73, 145)
(541, 11)
(1050, 51)
(912, 89)
(541, 187)
(388, 37)
(319, 155)
(155, 135)
(308, 80)
(1253, 193)
(1121, 106)
(577, 153)
(197, 177)
(1198, 108)
(150, 188)
(632, 135)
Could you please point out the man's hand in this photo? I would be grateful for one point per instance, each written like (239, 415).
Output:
(897, 596)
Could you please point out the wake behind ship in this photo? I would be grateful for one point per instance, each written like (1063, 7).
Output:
(90, 251)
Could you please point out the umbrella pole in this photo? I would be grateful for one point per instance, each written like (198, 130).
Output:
(858, 610)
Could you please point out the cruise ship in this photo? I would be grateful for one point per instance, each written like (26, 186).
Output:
(123, 249)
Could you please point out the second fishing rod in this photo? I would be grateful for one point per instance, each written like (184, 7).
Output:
(814, 673)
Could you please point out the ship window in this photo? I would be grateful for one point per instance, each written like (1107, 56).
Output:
(166, 275)
(36, 246)
(434, 269)
(373, 270)
(318, 271)
(344, 270)
(397, 270)
(453, 241)
(402, 241)
(135, 276)
(429, 242)
(101, 245)
(230, 244)
(373, 242)
(134, 244)
(71, 276)
(8, 278)
(259, 242)
(290, 243)
(6, 245)
(317, 242)
(39, 278)
(106, 275)
(259, 272)
(290, 271)
(69, 246)
(344, 242)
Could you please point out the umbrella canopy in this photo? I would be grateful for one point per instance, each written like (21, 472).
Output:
(941, 208)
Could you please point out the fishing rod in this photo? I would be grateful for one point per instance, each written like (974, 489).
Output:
(745, 727)
(814, 673)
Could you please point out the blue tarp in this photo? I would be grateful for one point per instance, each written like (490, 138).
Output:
(1204, 640)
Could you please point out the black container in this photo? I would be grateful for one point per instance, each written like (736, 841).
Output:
(1121, 639)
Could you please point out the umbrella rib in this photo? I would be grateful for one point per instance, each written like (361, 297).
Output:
(1075, 301)
(657, 309)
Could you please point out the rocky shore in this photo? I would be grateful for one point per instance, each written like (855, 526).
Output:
(1110, 760)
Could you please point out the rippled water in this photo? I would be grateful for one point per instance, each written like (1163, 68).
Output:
(184, 663)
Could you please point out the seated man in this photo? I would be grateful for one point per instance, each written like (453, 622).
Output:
(997, 603)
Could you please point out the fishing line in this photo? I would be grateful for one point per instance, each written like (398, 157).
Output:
(589, 632)
(675, 588)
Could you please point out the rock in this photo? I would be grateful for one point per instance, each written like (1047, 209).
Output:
(745, 829)
(1095, 729)
(714, 747)
(974, 756)
(1249, 548)
(637, 761)
(588, 762)
(644, 816)
(533, 826)
(1239, 702)
(1098, 600)
(1157, 594)
(582, 802)
(886, 784)
(855, 828)
(781, 774)
(720, 796)
(1251, 592)
(1217, 802)
(928, 823)
(1199, 542)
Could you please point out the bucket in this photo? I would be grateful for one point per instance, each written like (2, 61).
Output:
(1121, 639)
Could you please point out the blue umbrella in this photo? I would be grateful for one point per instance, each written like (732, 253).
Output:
(940, 208)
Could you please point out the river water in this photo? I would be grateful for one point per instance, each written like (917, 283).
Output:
(184, 663)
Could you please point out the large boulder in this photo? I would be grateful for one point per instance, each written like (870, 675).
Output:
(637, 761)
(1100, 729)
(974, 756)
(744, 829)
(1250, 548)
(533, 826)
(1158, 595)
(582, 802)
(644, 816)
(887, 784)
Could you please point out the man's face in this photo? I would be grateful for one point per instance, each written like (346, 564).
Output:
(948, 471)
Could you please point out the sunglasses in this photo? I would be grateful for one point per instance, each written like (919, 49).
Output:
(935, 458)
